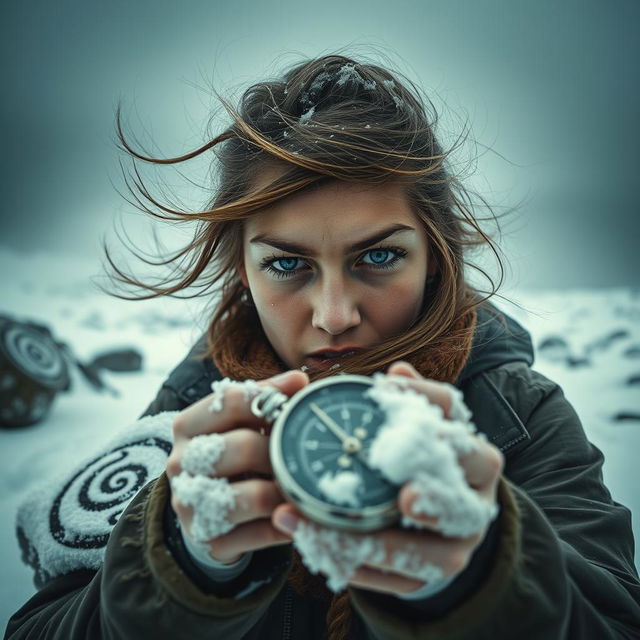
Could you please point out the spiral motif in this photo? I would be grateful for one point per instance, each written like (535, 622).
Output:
(102, 489)
(35, 354)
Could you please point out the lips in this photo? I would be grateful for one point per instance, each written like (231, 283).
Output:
(332, 354)
(325, 358)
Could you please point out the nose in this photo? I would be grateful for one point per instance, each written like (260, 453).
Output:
(335, 307)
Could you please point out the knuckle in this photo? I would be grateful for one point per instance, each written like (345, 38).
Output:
(495, 460)
(254, 449)
(179, 425)
(233, 401)
(263, 497)
(174, 467)
(180, 509)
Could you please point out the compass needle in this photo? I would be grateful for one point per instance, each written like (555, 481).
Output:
(324, 435)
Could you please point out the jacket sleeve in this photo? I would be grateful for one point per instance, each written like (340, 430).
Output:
(141, 592)
(563, 564)
(148, 588)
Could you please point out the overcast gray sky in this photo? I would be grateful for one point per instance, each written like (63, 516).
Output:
(551, 87)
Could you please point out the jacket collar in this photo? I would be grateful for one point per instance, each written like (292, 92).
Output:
(498, 339)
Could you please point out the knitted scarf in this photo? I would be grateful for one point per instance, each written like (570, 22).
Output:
(249, 355)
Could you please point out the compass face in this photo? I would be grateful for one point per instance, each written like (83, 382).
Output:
(320, 446)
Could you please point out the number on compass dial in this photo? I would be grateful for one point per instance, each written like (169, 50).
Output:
(329, 430)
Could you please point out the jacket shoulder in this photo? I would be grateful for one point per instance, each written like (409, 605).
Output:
(502, 400)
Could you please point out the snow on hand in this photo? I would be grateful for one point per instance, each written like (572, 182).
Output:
(415, 444)
(211, 498)
(250, 388)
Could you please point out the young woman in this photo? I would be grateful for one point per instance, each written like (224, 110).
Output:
(337, 240)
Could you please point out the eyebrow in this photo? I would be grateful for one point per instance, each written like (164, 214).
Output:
(292, 247)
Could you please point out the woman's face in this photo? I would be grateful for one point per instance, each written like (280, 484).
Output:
(335, 269)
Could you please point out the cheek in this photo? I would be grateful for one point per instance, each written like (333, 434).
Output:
(396, 307)
(278, 311)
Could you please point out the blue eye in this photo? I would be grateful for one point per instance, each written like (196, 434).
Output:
(378, 256)
(284, 267)
(383, 257)
(287, 264)
(378, 259)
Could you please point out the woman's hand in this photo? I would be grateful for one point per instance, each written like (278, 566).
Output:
(451, 555)
(246, 453)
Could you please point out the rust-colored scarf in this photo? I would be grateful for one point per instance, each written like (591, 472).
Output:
(250, 355)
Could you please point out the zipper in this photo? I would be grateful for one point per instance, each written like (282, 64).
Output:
(287, 616)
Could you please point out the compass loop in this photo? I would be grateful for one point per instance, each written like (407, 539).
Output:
(268, 404)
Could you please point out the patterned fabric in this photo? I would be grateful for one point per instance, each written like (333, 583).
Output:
(65, 524)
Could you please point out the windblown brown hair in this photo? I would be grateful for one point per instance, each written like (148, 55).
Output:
(329, 118)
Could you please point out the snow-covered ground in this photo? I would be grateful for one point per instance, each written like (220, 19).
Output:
(588, 341)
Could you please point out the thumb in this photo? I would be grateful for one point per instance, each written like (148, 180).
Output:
(403, 368)
(288, 382)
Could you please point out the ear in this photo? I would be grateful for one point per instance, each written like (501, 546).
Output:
(242, 272)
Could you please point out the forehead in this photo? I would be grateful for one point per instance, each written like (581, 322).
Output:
(335, 211)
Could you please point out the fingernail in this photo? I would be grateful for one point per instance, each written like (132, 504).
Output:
(286, 522)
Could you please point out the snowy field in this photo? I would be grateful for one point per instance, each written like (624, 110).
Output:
(588, 341)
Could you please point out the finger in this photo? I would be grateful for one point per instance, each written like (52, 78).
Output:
(410, 553)
(250, 536)
(383, 582)
(483, 467)
(439, 524)
(425, 556)
(403, 368)
(244, 450)
(436, 392)
(235, 410)
(254, 499)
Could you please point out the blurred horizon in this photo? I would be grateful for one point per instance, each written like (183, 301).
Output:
(544, 88)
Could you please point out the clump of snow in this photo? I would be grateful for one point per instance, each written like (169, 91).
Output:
(202, 453)
(315, 87)
(417, 444)
(250, 388)
(390, 86)
(410, 562)
(335, 553)
(349, 72)
(306, 116)
(458, 410)
(211, 498)
(341, 488)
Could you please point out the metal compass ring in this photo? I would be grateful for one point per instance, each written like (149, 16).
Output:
(268, 404)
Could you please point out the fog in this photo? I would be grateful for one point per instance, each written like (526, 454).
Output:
(548, 90)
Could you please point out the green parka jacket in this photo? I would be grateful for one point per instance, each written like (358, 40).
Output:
(556, 564)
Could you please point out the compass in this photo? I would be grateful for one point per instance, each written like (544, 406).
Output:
(319, 449)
